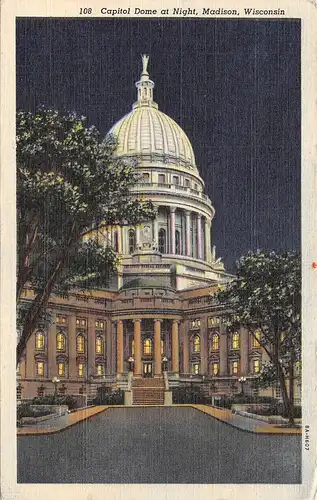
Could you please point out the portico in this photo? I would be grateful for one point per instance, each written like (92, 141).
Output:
(143, 344)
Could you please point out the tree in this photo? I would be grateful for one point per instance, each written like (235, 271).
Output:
(266, 295)
(69, 182)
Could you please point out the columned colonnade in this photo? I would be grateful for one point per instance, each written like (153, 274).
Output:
(196, 226)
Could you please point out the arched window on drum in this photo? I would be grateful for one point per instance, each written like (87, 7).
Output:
(177, 242)
(131, 238)
(162, 240)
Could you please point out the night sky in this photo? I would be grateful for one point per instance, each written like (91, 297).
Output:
(232, 85)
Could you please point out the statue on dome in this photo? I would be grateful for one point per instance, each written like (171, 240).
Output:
(145, 60)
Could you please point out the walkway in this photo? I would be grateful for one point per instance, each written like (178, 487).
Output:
(158, 445)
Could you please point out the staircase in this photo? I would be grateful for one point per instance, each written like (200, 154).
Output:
(148, 391)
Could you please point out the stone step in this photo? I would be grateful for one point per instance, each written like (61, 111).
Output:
(148, 382)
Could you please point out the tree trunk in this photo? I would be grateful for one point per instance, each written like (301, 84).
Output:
(282, 382)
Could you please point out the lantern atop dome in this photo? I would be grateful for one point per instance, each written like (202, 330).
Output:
(145, 86)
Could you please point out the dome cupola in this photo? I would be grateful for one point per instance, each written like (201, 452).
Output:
(149, 134)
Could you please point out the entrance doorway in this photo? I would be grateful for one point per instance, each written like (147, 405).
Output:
(147, 369)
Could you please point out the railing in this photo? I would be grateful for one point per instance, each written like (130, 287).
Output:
(176, 187)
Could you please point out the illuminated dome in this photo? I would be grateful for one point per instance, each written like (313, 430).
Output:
(148, 133)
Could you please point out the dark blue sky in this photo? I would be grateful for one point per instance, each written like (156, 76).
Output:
(232, 85)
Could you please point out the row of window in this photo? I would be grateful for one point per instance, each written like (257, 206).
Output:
(81, 368)
(61, 369)
(234, 341)
(147, 343)
(175, 180)
(234, 368)
(80, 322)
(61, 343)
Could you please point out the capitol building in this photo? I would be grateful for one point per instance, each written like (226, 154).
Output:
(158, 326)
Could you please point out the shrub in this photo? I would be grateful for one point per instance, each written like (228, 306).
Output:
(50, 399)
(188, 395)
(224, 402)
(25, 410)
(107, 396)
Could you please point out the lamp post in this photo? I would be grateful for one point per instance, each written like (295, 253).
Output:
(242, 381)
(131, 363)
(56, 381)
(164, 362)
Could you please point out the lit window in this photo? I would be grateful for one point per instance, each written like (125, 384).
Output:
(99, 345)
(61, 369)
(256, 366)
(39, 341)
(196, 343)
(100, 370)
(213, 321)
(81, 369)
(132, 347)
(255, 338)
(195, 323)
(60, 342)
(215, 342)
(40, 368)
(162, 240)
(131, 237)
(80, 343)
(100, 324)
(61, 319)
(196, 368)
(177, 242)
(235, 367)
(235, 340)
(81, 322)
(147, 346)
(215, 369)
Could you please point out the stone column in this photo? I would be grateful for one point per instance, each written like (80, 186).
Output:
(207, 241)
(188, 242)
(199, 238)
(109, 326)
(244, 351)
(175, 347)
(172, 230)
(119, 229)
(185, 349)
(51, 349)
(155, 230)
(91, 346)
(157, 347)
(119, 347)
(223, 351)
(137, 237)
(137, 348)
(72, 365)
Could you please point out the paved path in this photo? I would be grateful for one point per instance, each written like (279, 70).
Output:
(158, 445)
